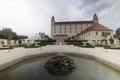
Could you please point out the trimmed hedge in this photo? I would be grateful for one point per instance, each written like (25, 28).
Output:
(4, 48)
(47, 42)
(88, 46)
(118, 48)
(74, 43)
(31, 46)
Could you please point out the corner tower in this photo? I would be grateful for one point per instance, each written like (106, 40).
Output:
(52, 25)
(95, 19)
(52, 20)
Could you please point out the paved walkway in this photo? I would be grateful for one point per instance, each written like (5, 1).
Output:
(110, 57)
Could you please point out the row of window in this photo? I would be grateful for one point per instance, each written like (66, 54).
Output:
(65, 28)
(65, 31)
(72, 25)
(103, 33)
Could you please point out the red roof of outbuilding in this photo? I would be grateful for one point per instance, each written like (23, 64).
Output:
(95, 27)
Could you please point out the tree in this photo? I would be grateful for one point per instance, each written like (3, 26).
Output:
(15, 36)
(8, 33)
(111, 40)
(21, 37)
(105, 35)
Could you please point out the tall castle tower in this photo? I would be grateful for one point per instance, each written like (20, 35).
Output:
(52, 20)
(52, 25)
(95, 19)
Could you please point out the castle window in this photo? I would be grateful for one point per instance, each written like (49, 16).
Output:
(70, 28)
(54, 31)
(96, 33)
(65, 28)
(70, 25)
(65, 31)
(54, 28)
(60, 28)
(60, 32)
(70, 31)
(75, 31)
(81, 28)
(75, 28)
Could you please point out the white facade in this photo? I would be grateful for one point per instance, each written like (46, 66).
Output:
(95, 37)
(70, 28)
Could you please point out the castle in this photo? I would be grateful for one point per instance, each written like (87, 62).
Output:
(91, 31)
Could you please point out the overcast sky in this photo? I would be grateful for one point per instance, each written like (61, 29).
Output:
(29, 17)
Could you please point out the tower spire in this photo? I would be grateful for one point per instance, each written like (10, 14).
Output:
(95, 18)
(52, 20)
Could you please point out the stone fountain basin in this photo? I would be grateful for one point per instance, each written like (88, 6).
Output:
(86, 69)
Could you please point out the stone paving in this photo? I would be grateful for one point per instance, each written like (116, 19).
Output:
(110, 57)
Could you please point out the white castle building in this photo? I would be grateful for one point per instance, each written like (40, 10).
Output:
(92, 30)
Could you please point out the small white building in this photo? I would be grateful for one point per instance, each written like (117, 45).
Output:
(14, 42)
(96, 34)
(40, 36)
(27, 41)
(3, 42)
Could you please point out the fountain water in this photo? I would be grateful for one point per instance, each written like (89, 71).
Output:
(60, 46)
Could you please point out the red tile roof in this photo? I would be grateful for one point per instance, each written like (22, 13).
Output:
(95, 27)
(60, 35)
(74, 22)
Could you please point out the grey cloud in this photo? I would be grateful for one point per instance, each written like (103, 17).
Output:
(87, 2)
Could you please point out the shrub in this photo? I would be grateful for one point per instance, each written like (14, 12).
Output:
(11, 47)
(118, 48)
(4, 48)
(89, 46)
(47, 42)
(74, 42)
(33, 44)
(99, 45)
(106, 47)
(31, 47)
(19, 45)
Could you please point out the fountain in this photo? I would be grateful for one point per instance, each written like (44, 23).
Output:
(60, 64)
